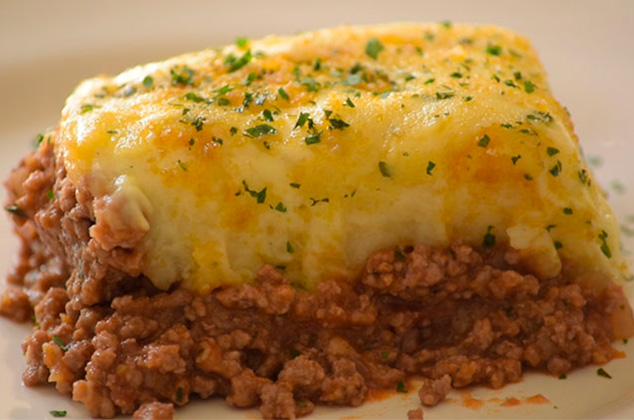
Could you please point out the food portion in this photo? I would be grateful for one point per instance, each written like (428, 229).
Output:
(297, 220)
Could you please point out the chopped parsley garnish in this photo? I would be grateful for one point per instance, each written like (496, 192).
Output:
(50, 194)
(494, 50)
(280, 207)
(373, 48)
(337, 124)
(352, 80)
(15, 210)
(311, 84)
(558, 245)
(507, 126)
(529, 87)
(242, 42)
(514, 159)
(179, 395)
(484, 141)
(562, 377)
(216, 140)
(250, 78)
(446, 94)
(400, 387)
(552, 151)
(602, 372)
(315, 201)
(385, 169)
(556, 170)
(148, 81)
(398, 254)
(191, 96)
(237, 63)
(260, 196)
(510, 83)
(385, 354)
(233, 130)
(528, 177)
(430, 167)
(198, 123)
(295, 185)
(446, 24)
(60, 343)
(489, 238)
(289, 248)
(184, 77)
(301, 120)
(182, 165)
(268, 116)
(283, 94)
(294, 353)
(605, 248)
(456, 75)
(430, 81)
(550, 227)
(58, 413)
(39, 139)
(567, 210)
(260, 130)
(468, 98)
(87, 108)
(313, 138)
(349, 103)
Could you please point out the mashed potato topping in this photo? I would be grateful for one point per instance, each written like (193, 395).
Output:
(311, 152)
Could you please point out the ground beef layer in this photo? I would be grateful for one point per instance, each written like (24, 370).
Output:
(456, 316)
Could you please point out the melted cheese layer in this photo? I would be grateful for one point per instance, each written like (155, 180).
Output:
(311, 152)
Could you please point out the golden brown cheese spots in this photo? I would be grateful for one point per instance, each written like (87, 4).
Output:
(340, 142)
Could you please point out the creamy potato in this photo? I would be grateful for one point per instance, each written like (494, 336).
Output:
(310, 152)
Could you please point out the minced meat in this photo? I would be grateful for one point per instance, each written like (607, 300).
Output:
(456, 316)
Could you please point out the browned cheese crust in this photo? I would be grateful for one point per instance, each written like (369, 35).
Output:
(456, 317)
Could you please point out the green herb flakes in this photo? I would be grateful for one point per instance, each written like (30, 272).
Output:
(484, 141)
(529, 87)
(489, 238)
(494, 50)
(289, 248)
(605, 248)
(238, 63)
(58, 413)
(293, 353)
(148, 81)
(60, 343)
(552, 151)
(283, 94)
(400, 387)
(15, 210)
(446, 94)
(430, 167)
(260, 130)
(183, 77)
(385, 169)
(373, 48)
(602, 372)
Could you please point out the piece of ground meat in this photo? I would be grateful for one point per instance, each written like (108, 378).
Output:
(415, 414)
(434, 391)
(154, 411)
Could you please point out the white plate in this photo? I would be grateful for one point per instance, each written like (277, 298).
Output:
(587, 47)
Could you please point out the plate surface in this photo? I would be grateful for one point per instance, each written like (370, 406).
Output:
(46, 48)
